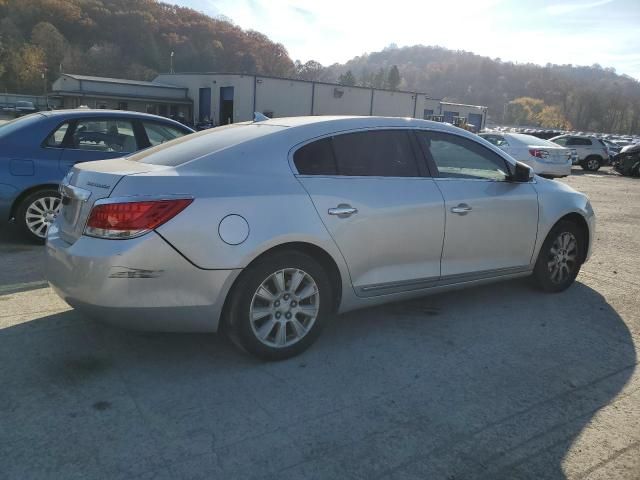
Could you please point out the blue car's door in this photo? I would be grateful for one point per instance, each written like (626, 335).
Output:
(98, 138)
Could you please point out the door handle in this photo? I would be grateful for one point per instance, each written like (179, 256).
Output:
(343, 211)
(461, 209)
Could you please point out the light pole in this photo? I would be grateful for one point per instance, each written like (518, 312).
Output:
(171, 69)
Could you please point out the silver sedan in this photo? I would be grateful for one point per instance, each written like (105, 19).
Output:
(265, 229)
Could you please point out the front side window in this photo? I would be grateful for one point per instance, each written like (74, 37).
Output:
(379, 153)
(104, 135)
(158, 133)
(57, 137)
(459, 157)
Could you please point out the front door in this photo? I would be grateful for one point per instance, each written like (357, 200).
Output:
(385, 215)
(491, 222)
(226, 105)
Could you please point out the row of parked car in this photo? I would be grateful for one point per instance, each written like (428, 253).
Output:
(550, 157)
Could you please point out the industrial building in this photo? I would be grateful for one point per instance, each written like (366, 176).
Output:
(222, 98)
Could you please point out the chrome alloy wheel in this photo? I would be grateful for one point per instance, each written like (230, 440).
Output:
(40, 214)
(563, 257)
(284, 307)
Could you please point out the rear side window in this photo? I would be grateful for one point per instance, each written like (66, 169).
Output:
(379, 153)
(316, 158)
(561, 141)
(57, 137)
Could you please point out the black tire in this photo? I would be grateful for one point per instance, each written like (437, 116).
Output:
(544, 273)
(23, 211)
(592, 163)
(238, 323)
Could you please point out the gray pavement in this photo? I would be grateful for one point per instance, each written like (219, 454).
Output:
(496, 382)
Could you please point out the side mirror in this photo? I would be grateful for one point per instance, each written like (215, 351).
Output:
(522, 173)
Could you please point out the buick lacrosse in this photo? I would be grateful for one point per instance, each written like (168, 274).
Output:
(265, 229)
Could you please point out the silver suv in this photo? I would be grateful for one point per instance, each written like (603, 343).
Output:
(592, 152)
(266, 229)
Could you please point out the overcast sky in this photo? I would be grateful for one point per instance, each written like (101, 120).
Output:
(580, 32)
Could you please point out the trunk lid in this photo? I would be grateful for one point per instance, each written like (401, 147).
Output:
(556, 154)
(87, 182)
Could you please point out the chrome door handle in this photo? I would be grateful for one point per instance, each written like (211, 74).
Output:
(343, 211)
(461, 209)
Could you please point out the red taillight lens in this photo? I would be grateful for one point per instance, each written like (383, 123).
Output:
(132, 219)
(535, 152)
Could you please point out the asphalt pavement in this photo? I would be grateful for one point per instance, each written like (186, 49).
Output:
(495, 382)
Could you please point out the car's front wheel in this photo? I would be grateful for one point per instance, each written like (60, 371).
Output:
(591, 163)
(560, 258)
(36, 212)
(279, 305)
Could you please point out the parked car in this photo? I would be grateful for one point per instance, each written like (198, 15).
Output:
(592, 153)
(264, 229)
(544, 157)
(613, 147)
(37, 150)
(627, 162)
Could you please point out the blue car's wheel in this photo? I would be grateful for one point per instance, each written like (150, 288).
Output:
(36, 212)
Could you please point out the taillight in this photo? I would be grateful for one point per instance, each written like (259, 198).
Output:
(132, 219)
(535, 152)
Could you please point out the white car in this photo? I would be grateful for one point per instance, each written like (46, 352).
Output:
(544, 157)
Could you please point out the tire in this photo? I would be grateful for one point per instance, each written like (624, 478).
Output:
(591, 163)
(560, 258)
(36, 212)
(275, 323)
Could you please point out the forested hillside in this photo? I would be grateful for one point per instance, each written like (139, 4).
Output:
(134, 39)
(586, 98)
(123, 38)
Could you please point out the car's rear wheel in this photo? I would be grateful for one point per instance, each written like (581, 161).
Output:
(560, 258)
(592, 163)
(279, 305)
(36, 212)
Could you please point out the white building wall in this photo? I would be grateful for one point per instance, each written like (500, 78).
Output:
(283, 98)
(426, 103)
(393, 104)
(339, 100)
(65, 83)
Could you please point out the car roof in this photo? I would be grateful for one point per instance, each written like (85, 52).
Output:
(93, 112)
(354, 121)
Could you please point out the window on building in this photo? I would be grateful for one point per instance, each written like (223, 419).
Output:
(158, 133)
(428, 113)
(316, 158)
(105, 135)
(123, 106)
(57, 137)
(379, 153)
(459, 157)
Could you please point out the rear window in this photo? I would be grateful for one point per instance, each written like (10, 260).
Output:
(531, 140)
(190, 147)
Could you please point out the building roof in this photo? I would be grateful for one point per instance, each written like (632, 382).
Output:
(122, 81)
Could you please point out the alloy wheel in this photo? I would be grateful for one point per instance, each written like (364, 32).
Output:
(40, 215)
(593, 164)
(563, 257)
(284, 307)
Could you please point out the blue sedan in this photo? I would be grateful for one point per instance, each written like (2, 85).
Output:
(36, 152)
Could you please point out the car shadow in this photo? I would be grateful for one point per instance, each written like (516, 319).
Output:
(493, 382)
(606, 171)
(22, 261)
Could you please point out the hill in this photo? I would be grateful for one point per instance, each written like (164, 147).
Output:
(585, 98)
(123, 38)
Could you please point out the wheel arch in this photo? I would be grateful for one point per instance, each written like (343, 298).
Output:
(319, 254)
(25, 193)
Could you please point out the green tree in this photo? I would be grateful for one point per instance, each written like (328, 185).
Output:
(379, 79)
(393, 80)
(347, 79)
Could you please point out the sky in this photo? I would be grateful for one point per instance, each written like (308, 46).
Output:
(582, 32)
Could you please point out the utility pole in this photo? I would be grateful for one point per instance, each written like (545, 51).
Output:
(44, 85)
(171, 69)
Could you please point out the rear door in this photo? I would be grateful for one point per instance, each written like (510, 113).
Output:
(383, 211)
(491, 223)
(98, 138)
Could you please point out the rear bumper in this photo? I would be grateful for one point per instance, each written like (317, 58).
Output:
(142, 283)
(550, 169)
